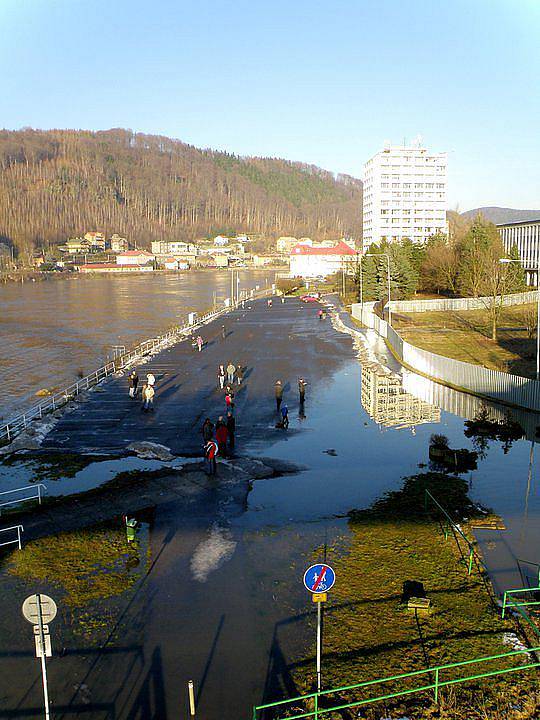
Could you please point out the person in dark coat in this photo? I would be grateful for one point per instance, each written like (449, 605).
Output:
(302, 390)
(207, 430)
(239, 374)
(284, 416)
(221, 436)
(133, 384)
(231, 429)
(278, 391)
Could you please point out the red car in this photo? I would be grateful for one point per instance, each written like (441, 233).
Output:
(315, 297)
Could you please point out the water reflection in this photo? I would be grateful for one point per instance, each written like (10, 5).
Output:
(388, 403)
(468, 406)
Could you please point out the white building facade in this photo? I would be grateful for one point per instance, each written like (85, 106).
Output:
(525, 236)
(404, 195)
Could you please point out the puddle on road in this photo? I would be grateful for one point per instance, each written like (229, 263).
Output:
(60, 480)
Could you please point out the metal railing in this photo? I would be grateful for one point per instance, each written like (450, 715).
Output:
(435, 683)
(17, 540)
(520, 591)
(38, 487)
(19, 423)
(456, 530)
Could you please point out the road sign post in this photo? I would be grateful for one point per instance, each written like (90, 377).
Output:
(40, 610)
(318, 579)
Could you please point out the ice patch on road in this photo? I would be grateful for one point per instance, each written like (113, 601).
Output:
(212, 553)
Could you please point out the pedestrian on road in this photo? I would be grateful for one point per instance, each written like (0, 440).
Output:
(229, 398)
(278, 391)
(230, 373)
(282, 299)
(210, 452)
(231, 429)
(302, 390)
(148, 398)
(269, 303)
(239, 374)
(150, 380)
(199, 342)
(133, 383)
(284, 416)
(207, 430)
(223, 332)
(320, 314)
(221, 377)
(221, 436)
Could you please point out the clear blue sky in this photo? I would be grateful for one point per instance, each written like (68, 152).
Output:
(322, 82)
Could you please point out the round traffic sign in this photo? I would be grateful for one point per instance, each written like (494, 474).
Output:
(319, 578)
(30, 609)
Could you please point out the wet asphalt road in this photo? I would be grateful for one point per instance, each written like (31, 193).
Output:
(284, 342)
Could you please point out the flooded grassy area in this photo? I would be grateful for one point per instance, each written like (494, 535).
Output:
(370, 633)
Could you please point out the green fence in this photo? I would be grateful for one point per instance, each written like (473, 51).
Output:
(318, 705)
(449, 524)
(511, 603)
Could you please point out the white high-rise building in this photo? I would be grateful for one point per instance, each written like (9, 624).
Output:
(404, 194)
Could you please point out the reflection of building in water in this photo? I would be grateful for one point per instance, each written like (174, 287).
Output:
(385, 400)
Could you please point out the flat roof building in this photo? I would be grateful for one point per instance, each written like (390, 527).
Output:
(404, 195)
(525, 235)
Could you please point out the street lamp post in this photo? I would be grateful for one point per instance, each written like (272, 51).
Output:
(361, 284)
(505, 261)
(388, 276)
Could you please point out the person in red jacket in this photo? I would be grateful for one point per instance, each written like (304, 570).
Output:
(210, 452)
(221, 436)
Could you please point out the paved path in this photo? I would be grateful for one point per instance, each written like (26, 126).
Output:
(283, 342)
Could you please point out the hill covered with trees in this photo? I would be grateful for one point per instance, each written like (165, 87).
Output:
(61, 183)
(502, 215)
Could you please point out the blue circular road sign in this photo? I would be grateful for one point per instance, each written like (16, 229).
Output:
(319, 578)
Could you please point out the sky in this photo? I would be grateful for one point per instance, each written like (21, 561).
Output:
(320, 82)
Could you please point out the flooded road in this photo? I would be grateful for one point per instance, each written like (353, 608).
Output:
(215, 594)
(53, 331)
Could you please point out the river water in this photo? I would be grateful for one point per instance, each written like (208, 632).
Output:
(220, 600)
(51, 332)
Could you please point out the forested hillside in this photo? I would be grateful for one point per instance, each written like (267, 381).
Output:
(60, 183)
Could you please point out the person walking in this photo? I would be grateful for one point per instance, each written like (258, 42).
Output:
(231, 429)
(302, 390)
(133, 384)
(278, 392)
(284, 416)
(148, 398)
(223, 332)
(150, 380)
(207, 430)
(230, 373)
(221, 436)
(199, 342)
(320, 314)
(239, 374)
(229, 398)
(210, 452)
(221, 377)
